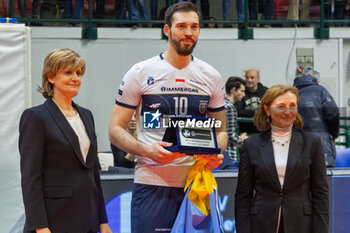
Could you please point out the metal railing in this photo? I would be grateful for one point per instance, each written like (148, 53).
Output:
(245, 32)
(344, 131)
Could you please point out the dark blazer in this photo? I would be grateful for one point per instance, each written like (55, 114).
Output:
(304, 197)
(60, 190)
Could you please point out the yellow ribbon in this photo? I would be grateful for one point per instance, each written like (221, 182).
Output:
(203, 183)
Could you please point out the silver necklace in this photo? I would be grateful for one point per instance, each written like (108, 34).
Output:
(279, 142)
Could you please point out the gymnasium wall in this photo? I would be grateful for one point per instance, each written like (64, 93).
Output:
(273, 52)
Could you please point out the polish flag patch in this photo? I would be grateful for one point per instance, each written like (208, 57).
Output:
(180, 80)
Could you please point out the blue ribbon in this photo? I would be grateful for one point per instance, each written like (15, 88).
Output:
(8, 20)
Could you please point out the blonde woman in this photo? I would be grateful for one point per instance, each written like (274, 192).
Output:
(59, 166)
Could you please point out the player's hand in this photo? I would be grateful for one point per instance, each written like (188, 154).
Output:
(158, 153)
(43, 230)
(243, 136)
(104, 228)
(213, 160)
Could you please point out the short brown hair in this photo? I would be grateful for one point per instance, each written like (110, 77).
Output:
(261, 119)
(55, 61)
(234, 82)
(179, 7)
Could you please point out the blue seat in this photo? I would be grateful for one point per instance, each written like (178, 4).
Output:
(343, 157)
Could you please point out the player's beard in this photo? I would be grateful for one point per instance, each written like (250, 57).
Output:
(182, 50)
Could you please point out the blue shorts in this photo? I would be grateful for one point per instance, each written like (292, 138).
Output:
(154, 208)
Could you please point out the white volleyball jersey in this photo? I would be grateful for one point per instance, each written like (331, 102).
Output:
(155, 88)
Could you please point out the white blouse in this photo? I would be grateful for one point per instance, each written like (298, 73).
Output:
(280, 142)
(79, 128)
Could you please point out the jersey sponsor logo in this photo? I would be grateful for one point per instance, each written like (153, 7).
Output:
(150, 80)
(151, 120)
(197, 82)
(155, 106)
(123, 83)
(120, 92)
(178, 89)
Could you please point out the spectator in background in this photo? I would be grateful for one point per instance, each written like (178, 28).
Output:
(22, 6)
(253, 9)
(100, 9)
(155, 15)
(320, 113)
(121, 158)
(119, 9)
(235, 91)
(339, 10)
(293, 10)
(137, 10)
(76, 13)
(226, 8)
(253, 94)
(268, 9)
(249, 104)
(7, 8)
(204, 7)
(212, 25)
(154, 8)
(328, 11)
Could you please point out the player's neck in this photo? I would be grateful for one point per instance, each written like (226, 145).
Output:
(175, 59)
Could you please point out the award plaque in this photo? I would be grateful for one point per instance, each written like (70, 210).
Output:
(192, 135)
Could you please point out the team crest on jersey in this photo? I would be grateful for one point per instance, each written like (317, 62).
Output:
(150, 80)
(203, 106)
(151, 120)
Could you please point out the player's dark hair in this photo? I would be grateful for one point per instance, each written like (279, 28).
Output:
(179, 7)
